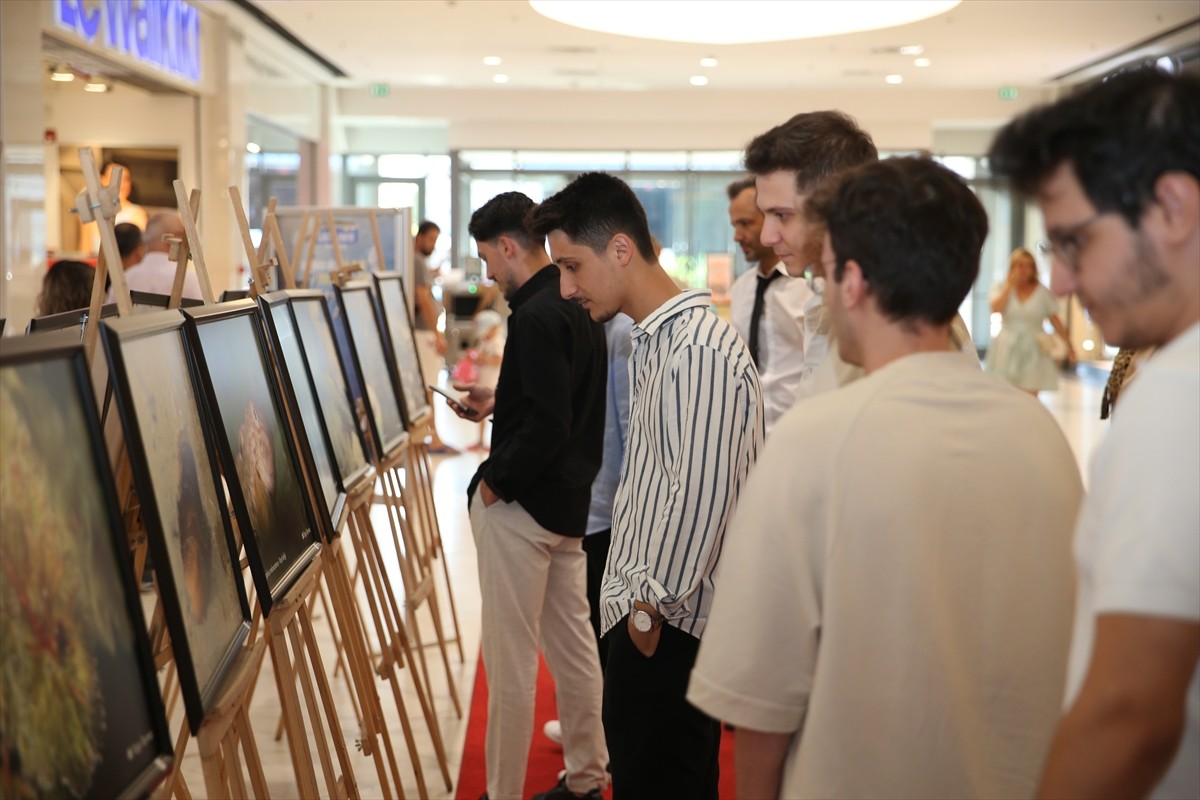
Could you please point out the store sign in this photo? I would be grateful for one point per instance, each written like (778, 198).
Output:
(164, 34)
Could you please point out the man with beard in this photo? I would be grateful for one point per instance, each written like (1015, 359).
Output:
(1115, 169)
(767, 307)
(529, 506)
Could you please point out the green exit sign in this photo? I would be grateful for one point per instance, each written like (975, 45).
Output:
(380, 90)
(1008, 93)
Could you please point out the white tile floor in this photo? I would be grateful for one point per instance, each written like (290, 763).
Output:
(1075, 406)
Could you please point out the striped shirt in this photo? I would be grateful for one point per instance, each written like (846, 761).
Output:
(695, 429)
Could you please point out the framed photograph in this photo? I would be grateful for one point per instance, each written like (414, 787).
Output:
(68, 319)
(150, 301)
(299, 393)
(183, 501)
(254, 443)
(315, 328)
(234, 294)
(81, 713)
(402, 344)
(357, 304)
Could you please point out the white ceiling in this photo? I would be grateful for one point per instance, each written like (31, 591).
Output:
(979, 44)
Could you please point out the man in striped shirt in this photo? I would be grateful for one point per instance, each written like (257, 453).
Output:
(695, 428)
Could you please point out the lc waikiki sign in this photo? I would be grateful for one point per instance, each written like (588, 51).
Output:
(164, 34)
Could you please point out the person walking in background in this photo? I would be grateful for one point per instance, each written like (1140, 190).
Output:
(431, 344)
(529, 509)
(881, 627)
(766, 307)
(1016, 354)
(1115, 169)
(695, 427)
(485, 359)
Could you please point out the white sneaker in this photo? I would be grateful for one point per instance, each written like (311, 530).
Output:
(553, 731)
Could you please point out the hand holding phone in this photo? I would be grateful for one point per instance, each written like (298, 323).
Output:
(459, 406)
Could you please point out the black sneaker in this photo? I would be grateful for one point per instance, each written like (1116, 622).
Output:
(561, 792)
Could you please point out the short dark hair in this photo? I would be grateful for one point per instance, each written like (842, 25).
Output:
(426, 226)
(503, 215)
(1119, 136)
(916, 230)
(129, 238)
(816, 145)
(739, 186)
(591, 210)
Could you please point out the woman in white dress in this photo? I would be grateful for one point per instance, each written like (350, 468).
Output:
(1024, 304)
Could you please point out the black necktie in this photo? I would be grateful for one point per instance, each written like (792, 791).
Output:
(760, 296)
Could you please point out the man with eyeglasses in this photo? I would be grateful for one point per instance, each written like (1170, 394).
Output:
(1115, 169)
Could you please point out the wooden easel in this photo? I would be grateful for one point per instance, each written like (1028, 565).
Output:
(227, 727)
(260, 270)
(390, 630)
(290, 619)
(344, 271)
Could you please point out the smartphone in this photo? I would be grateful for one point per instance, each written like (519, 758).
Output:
(464, 408)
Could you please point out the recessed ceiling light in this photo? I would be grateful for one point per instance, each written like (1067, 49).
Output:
(493, 61)
(499, 77)
(62, 73)
(708, 61)
(96, 84)
(698, 80)
(894, 79)
(252, 147)
(911, 50)
(921, 62)
(737, 21)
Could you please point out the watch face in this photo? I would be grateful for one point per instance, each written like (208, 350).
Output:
(642, 621)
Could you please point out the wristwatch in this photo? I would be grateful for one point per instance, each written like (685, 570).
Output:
(644, 623)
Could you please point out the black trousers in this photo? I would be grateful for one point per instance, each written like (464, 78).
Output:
(595, 545)
(661, 745)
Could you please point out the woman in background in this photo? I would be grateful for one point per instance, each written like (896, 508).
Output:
(66, 286)
(1024, 304)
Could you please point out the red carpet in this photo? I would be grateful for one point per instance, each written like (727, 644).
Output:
(545, 757)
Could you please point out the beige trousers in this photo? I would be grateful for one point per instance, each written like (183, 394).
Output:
(534, 590)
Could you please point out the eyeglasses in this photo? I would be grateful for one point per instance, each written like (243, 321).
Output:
(1066, 245)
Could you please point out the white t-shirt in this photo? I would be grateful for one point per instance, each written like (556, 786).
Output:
(896, 587)
(781, 336)
(1137, 544)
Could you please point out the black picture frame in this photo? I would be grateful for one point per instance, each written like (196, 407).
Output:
(332, 382)
(182, 501)
(309, 426)
(401, 342)
(254, 444)
(144, 302)
(61, 533)
(356, 301)
(234, 294)
(67, 319)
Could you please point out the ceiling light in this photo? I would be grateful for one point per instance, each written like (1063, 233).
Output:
(737, 21)
(95, 84)
(493, 61)
(500, 77)
(921, 62)
(708, 61)
(894, 79)
(62, 73)
(698, 80)
(911, 50)
(253, 147)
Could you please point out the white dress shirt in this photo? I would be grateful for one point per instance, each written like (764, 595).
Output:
(155, 273)
(695, 427)
(781, 338)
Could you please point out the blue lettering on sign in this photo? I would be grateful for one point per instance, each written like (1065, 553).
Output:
(164, 34)
(346, 236)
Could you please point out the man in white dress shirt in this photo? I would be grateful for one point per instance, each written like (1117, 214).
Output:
(766, 307)
(156, 272)
(1116, 171)
(883, 627)
(695, 426)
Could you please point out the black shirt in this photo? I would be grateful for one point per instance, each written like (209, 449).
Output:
(548, 422)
